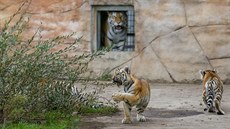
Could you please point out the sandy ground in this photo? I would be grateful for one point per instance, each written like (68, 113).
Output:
(172, 106)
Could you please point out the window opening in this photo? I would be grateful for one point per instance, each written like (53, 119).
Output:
(115, 29)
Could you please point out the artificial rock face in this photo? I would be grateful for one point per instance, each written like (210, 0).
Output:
(173, 39)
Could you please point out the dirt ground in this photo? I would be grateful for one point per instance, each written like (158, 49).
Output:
(172, 106)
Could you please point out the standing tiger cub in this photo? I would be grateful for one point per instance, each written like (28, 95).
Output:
(137, 93)
(212, 91)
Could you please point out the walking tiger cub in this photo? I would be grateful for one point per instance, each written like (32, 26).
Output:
(115, 30)
(137, 93)
(212, 91)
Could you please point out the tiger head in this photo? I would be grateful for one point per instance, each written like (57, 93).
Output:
(117, 20)
(207, 73)
(122, 76)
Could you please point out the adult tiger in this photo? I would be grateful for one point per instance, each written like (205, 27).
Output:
(212, 91)
(115, 30)
(137, 93)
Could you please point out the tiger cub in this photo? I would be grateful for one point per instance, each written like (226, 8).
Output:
(212, 91)
(137, 93)
(115, 30)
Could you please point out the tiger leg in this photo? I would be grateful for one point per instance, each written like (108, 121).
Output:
(126, 97)
(204, 100)
(209, 109)
(127, 111)
(140, 116)
(217, 105)
(210, 105)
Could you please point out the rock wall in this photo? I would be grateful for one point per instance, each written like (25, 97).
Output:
(173, 38)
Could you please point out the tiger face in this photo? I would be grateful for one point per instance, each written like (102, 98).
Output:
(117, 20)
(121, 76)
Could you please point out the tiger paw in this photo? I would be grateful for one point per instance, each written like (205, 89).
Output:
(212, 109)
(220, 113)
(141, 118)
(126, 121)
(117, 97)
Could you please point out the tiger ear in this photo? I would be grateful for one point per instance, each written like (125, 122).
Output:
(127, 69)
(117, 70)
(214, 71)
(202, 73)
(109, 13)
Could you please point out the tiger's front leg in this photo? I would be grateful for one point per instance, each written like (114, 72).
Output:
(127, 113)
(117, 97)
(128, 101)
(126, 97)
(119, 46)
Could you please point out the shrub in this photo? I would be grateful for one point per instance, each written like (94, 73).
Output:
(34, 79)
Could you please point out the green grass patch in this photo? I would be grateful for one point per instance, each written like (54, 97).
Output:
(58, 124)
(56, 119)
(101, 111)
(50, 120)
(105, 77)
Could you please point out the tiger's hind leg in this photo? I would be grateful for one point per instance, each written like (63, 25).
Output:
(209, 107)
(127, 113)
(140, 116)
(219, 110)
(204, 100)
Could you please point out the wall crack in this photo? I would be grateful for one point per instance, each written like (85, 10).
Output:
(185, 13)
(170, 75)
(154, 39)
(201, 48)
(219, 58)
(209, 25)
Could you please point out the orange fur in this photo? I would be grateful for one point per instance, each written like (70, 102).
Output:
(110, 37)
(137, 95)
(212, 81)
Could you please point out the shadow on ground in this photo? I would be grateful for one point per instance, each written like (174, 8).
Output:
(166, 113)
(90, 122)
(91, 125)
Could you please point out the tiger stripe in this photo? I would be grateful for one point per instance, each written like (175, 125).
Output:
(137, 93)
(116, 30)
(212, 91)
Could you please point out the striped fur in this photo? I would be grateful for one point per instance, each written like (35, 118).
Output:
(116, 30)
(212, 91)
(137, 93)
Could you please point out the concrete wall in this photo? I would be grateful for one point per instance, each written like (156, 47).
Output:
(173, 38)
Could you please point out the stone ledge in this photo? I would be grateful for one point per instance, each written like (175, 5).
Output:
(111, 2)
